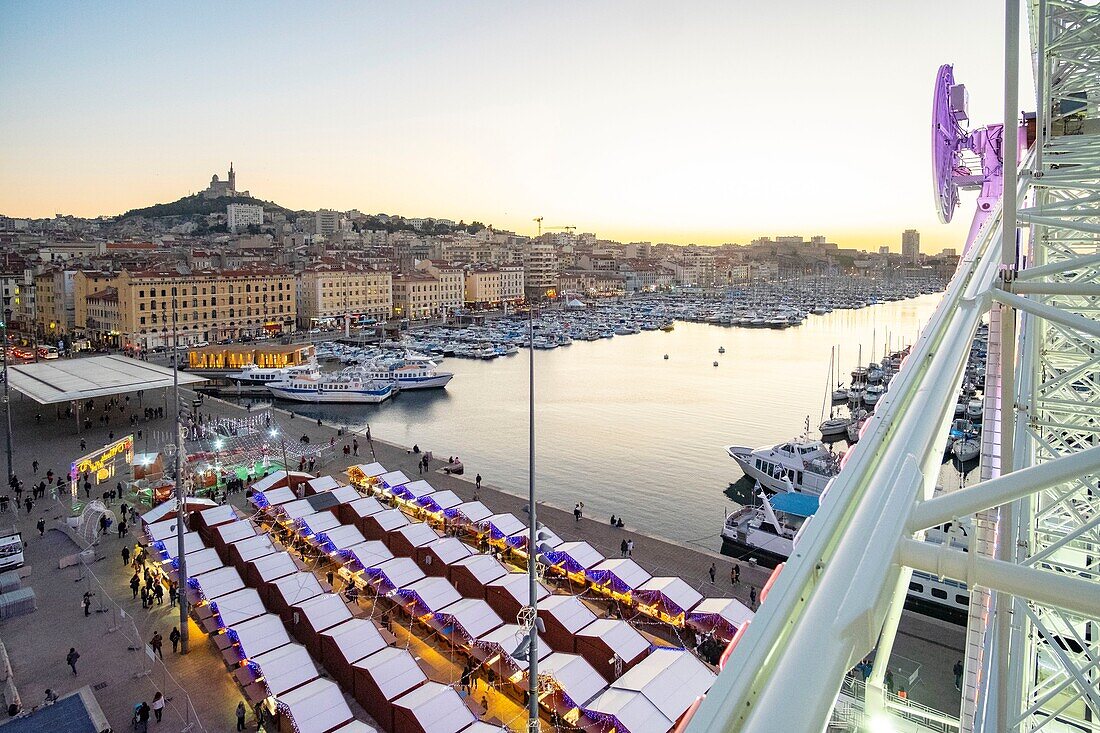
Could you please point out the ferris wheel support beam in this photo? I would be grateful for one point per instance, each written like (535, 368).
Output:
(1049, 313)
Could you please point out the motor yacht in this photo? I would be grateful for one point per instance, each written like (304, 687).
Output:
(342, 387)
(801, 465)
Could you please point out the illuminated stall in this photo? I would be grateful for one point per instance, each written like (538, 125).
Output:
(365, 475)
(431, 708)
(316, 707)
(214, 584)
(379, 526)
(618, 578)
(345, 644)
(507, 595)
(230, 610)
(573, 560)
(720, 616)
(466, 620)
(159, 531)
(625, 711)
(518, 541)
(277, 672)
(572, 683)
(383, 677)
(611, 646)
(472, 575)
(389, 482)
(226, 534)
(168, 549)
(437, 504)
(290, 590)
(252, 638)
(563, 616)
(499, 527)
(167, 509)
(666, 598)
(321, 483)
(332, 541)
(357, 558)
(293, 480)
(494, 649)
(204, 521)
(246, 550)
(437, 556)
(408, 539)
(320, 613)
(393, 574)
(468, 515)
(413, 491)
(356, 511)
(309, 526)
(261, 571)
(267, 501)
(198, 563)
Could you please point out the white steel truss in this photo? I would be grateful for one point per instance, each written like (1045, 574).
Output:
(1034, 636)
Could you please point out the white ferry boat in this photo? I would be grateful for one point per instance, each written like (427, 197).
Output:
(769, 533)
(335, 388)
(252, 375)
(407, 373)
(802, 465)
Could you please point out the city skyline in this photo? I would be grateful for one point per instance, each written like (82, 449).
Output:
(650, 126)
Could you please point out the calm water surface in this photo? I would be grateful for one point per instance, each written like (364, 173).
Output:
(627, 432)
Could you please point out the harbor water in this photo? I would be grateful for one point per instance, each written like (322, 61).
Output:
(628, 432)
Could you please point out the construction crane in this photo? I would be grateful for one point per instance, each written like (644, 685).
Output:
(538, 220)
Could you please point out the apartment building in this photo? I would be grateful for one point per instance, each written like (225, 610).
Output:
(487, 286)
(428, 292)
(540, 268)
(327, 293)
(241, 216)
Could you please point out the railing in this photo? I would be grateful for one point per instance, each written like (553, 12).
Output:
(849, 713)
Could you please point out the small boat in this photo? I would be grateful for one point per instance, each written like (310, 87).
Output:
(966, 449)
(840, 395)
(721, 349)
(873, 394)
(666, 357)
(715, 363)
(974, 410)
(835, 427)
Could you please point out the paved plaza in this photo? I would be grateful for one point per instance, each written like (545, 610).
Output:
(111, 641)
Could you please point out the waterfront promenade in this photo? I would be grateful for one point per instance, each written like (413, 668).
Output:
(37, 642)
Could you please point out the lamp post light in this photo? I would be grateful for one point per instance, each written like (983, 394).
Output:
(7, 400)
(282, 442)
(181, 498)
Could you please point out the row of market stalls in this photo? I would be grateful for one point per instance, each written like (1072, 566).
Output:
(463, 597)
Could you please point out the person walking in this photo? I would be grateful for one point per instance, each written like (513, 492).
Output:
(34, 466)
(174, 637)
(158, 705)
(41, 525)
(135, 584)
(87, 603)
(577, 512)
(240, 715)
(752, 597)
(735, 574)
(629, 548)
(71, 658)
(125, 555)
(713, 571)
(157, 642)
(622, 548)
(355, 446)
(143, 716)
(958, 670)
(173, 593)
(158, 592)
(477, 482)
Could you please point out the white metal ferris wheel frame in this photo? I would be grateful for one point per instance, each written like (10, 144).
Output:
(1036, 615)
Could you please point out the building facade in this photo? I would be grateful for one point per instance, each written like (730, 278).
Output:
(910, 246)
(241, 216)
(486, 286)
(326, 295)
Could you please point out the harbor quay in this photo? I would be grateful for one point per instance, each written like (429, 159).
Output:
(112, 640)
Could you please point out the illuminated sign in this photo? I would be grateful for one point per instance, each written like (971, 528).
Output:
(101, 463)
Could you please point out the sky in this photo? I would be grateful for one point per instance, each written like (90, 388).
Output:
(704, 122)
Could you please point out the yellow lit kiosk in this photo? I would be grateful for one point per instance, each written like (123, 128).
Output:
(101, 465)
(229, 357)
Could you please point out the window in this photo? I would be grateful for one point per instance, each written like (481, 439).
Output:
(916, 587)
(961, 599)
(939, 593)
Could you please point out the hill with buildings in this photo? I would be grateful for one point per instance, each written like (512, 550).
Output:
(199, 205)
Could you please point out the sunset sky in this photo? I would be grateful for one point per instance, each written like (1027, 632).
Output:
(702, 122)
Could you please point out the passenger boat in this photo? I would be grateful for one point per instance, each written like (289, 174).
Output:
(334, 388)
(409, 374)
(252, 375)
(800, 465)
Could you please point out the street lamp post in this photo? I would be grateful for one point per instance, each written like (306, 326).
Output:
(7, 401)
(181, 498)
(532, 538)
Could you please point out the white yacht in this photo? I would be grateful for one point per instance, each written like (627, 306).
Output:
(802, 465)
(252, 375)
(334, 388)
(408, 373)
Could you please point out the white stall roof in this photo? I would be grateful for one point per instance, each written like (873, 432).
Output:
(418, 534)
(297, 509)
(549, 538)
(574, 676)
(730, 609)
(192, 542)
(618, 635)
(366, 506)
(356, 639)
(628, 572)
(417, 489)
(203, 561)
(311, 524)
(218, 515)
(473, 511)
(504, 640)
(670, 678)
(432, 594)
(235, 531)
(484, 568)
(324, 483)
(341, 538)
(371, 553)
(674, 589)
(64, 380)
(355, 726)
(518, 585)
(437, 708)
(390, 519)
(220, 582)
(504, 525)
(160, 531)
(237, 607)
(570, 611)
(441, 500)
(162, 510)
(298, 587)
(316, 707)
(398, 572)
(275, 565)
(325, 611)
(632, 709)
(394, 671)
(473, 615)
(254, 547)
(393, 478)
(449, 549)
(279, 496)
(259, 635)
(285, 668)
(278, 477)
(583, 554)
(345, 494)
(370, 470)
